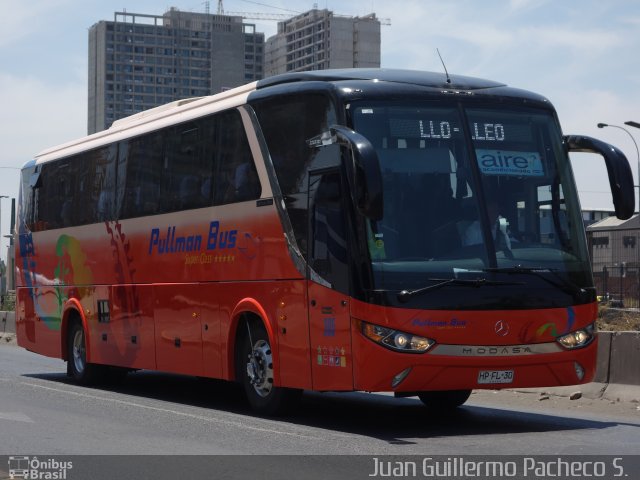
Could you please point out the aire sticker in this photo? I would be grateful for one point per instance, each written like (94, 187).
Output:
(501, 162)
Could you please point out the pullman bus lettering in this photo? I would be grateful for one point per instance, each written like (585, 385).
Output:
(219, 238)
(172, 243)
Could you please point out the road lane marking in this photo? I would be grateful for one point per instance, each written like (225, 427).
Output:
(174, 412)
(15, 417)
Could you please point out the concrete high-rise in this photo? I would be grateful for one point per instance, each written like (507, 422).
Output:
(140, 61)
(318, 39)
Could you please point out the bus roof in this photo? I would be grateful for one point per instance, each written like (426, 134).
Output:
(142, 122)
(187, 109)
(413, 77)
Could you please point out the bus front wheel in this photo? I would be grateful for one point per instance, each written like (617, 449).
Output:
(444, 399)
(255, 370)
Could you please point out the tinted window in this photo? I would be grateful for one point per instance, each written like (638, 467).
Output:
(29, 194)
(287, 124)
(187, 168)
(104, 185)
(75, 190)
(236, 175)
(191, 165)
(145, 167)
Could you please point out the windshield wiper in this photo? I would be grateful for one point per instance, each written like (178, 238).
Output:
(563, 284)
(405, 295)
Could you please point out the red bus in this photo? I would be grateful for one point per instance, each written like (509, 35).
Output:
(373, 230)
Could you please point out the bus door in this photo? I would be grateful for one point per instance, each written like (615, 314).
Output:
(328, 282)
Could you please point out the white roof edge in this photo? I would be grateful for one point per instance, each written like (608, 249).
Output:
(152, 111)
(611, 222)
(118, 129)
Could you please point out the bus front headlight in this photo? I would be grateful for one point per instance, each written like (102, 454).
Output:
(579, 338)
(395, 339)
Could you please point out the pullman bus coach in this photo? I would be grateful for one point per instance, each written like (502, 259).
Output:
(339, 230)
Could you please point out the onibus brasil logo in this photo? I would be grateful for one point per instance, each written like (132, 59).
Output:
(33, 468)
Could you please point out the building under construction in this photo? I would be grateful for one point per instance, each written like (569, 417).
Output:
(320, 39)
(140, 61)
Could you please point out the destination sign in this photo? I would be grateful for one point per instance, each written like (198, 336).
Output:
(443, 129)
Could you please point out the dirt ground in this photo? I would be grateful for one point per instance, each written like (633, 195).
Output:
(618, 320)
(7, 338)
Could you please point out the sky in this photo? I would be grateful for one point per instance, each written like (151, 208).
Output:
(583, 55)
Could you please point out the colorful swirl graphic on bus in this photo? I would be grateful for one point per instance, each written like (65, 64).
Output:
(71, 269)
(72, 265)
(571, 319)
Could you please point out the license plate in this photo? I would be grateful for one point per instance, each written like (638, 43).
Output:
(495, 376)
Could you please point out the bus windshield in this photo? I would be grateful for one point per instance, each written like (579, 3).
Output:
(471, 193)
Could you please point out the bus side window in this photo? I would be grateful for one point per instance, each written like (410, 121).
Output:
(236, 175)
(187, 165)
(103, 181)
(287, 123)
(143, 158)
(245, 180)
(328, 234)
(51, 185)
(29, 202)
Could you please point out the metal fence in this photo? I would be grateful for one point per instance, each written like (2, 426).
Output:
(615, 259)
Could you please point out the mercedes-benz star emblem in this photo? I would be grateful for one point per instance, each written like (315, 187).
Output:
(501, 328)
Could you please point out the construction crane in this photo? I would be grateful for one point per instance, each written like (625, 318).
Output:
(280, 17)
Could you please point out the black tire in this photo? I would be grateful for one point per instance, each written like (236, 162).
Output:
(254, 370)
(444, 399)
(77, 367)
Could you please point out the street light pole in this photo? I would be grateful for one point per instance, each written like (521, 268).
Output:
(1, 291)
(633, 124)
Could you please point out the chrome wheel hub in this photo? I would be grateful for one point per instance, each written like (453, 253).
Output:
(79, 352)
(260, 368)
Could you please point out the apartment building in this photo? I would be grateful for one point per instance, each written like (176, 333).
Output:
(139, 61)
(320, 39)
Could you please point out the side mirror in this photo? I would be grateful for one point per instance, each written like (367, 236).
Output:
(364, 175)
(620, 176)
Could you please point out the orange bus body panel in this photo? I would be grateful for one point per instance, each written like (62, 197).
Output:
(176, 285)
(330, 332)
(376, 366)
(177, 310)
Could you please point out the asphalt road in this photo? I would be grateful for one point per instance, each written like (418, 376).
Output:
(158, 414)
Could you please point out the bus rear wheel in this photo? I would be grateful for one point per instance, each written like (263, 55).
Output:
(77, 366)
(444, 399)
(255, 370)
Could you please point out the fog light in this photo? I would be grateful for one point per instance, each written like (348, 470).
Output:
(579, 370)
(397, 380)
